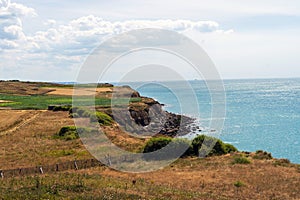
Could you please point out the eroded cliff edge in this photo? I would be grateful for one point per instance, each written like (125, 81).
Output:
(147, 117)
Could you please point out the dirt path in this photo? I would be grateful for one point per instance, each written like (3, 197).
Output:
(20, 124)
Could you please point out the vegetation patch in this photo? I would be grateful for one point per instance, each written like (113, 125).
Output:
(155, 144)
(71, 132)
(56, 108)
(41, 102)
(205, 145)
(68, 133)
(238, 184)
(100, 117)
(240, 160)
(262, 155)
(282, 162)
(104, 119)
(211, 146)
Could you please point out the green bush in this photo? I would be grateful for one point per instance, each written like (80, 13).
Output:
(72, 132)
(238, 184)
(241, 160)
(155, 144)
(68, 133)
(260, 154)
(210, 146)
(230, 148)
(60, 108)
(97, 116)
(192, 147)
(184, 143)
(172, 151)
(104, 119)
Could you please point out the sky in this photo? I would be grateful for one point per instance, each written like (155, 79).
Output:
(50, 40)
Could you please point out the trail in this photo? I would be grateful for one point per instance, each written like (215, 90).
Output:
(20, 124)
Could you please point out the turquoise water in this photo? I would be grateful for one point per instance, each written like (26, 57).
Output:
(260, 114)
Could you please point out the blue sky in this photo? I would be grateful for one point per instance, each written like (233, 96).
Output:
(50, 39)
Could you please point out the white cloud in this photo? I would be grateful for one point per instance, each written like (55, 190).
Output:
(11, 28)
(21, 10)
(4, 4)
(14, 31)
(65, 45)
(80, 36)
(50, 22)
(88, 31)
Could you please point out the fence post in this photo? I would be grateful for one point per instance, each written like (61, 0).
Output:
(108, 160)
(56, 169)
(41, 170)
(75, 165)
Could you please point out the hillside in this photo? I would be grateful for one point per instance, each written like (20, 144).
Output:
(28, 138)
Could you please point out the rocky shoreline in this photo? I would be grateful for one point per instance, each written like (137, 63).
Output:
(148, 118)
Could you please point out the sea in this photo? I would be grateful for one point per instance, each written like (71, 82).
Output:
(260, 114)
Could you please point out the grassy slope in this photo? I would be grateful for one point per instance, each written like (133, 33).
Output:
(29, 95)
(41, 102)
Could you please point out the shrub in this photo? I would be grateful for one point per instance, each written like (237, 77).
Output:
(62, 108)
(211, 146)
(155, 144)
(72, 132)
(282, 162)
(230, 148)
(260, 154)
(184, 143)
(97, 116)
(68, 133)
(241, 160)
(172, 151)
(104, 119)
(238, 184)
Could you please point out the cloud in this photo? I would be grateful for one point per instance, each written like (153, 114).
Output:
(11, 28)
(4, 4)
(64, 45)
(20, 10)
(50, 22)
(88, 31)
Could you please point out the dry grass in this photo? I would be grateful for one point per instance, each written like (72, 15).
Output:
(191, 178)
(10, 119)
(124, 140)
(214, 178)
(33, 143)
(79, 91)
(23, 88)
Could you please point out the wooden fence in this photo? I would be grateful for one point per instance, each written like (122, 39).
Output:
(70, 165)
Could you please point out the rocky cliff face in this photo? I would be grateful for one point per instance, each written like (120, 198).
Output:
(147, 118)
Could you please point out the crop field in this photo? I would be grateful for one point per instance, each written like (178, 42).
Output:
(41, 102)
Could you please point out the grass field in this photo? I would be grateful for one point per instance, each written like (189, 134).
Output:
(41, 102)
(210, 178)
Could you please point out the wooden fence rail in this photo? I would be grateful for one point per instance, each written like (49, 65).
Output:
(76, 165)
(70, 165)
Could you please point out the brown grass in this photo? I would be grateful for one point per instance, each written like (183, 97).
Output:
(10, 119)
(213, 178)
(79, 91)
(33, 144)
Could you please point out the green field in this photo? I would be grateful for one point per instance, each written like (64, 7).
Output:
(41, 102)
